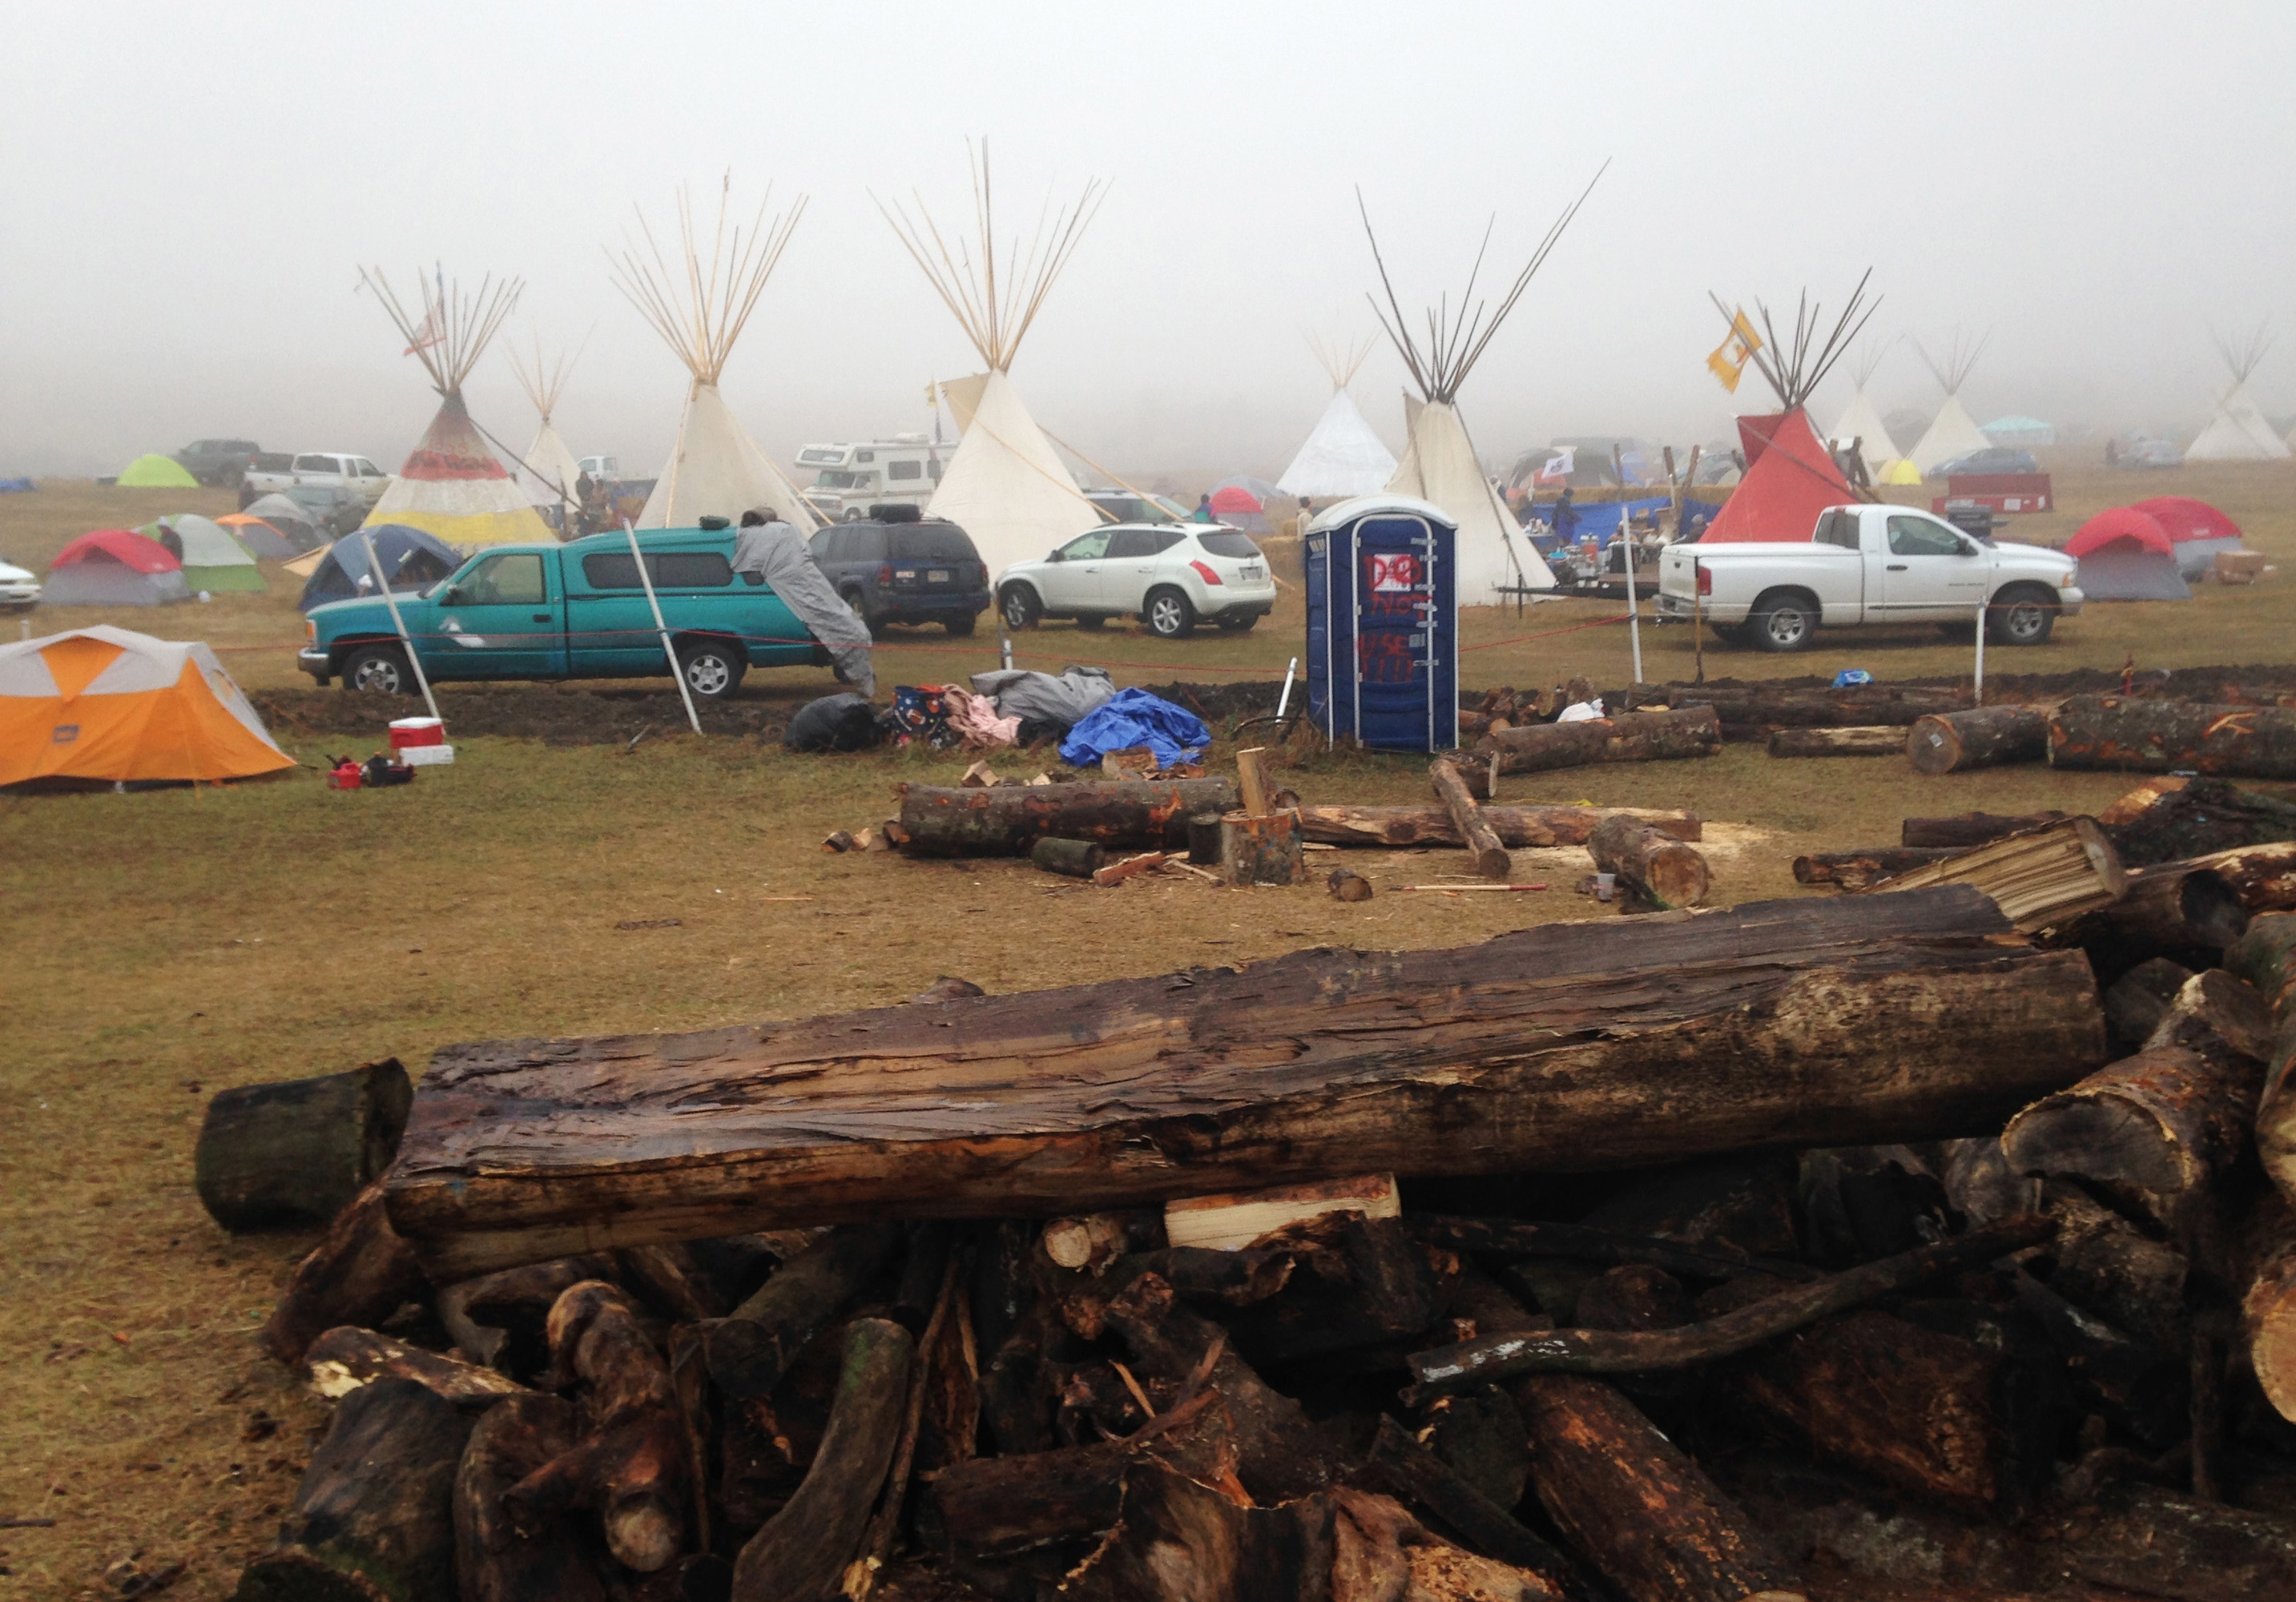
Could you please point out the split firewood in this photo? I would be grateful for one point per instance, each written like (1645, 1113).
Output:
(1969, 828)
(1251, 779)
(298, 1150)
(802, 1552)
(358, 1273)
(1657, 872)
(1131, 867)
(1076, 859)
(1007, 820)
(2145, 735)
(979, 776)
(1876, 739)
(374, 1514)
(1490, 857)
(874, 839)
(1979, 737)
(1860, 869)
(1346, 885)
(496, 1561)
(838, 840)
(343, 1360)
(2050, 876)
(1381, 1554)
(750, 1351)
(1239, 1217)
(1516, 825)
(631, 1466)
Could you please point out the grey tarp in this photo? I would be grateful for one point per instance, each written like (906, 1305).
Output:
(1021, 693)
(778, 551)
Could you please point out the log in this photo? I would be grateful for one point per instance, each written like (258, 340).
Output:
(1658, 872)
(1801, 1022)
(501, 1319)
(2176, 910)
(2266, 958)
(1347, 885)
(1238, 1219)
(2264, 875)
(1403, 1468)
(1603, 1351)
(2135, 1002)
(1490, 857)
(495, 1560)
(1872, 740)
(2112, 1270)
(2267, 1308)
(801, 1553)
(2172, 817)
(2143, 735)
(753, 1348)
(343, 1360)
(300, 1150)
(1370, 1285)
(1633, 737)
(2048, 877)
(1516, 827)
(1636, 1507)
(1860, 870)
(358, 1273)
(374, 1514)
(1980, 737)
(1204, 839)
(2136, 1385)
(1008, 818)
(2163, 1544)
(1262, 850)
(1076, 859)
(1969, 828)
(1179, 1541)
(1774, 706)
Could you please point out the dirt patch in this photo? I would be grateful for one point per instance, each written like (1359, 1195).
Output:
(557, 715)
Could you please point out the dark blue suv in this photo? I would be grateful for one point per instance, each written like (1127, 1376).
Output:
(897, 566)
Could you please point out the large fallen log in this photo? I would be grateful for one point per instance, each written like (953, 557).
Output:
(1776, 707)
(1779, 1024)
(2182, 910)
(1632, 737)
(1863, 740)
(2172, 816)
(1007, 820)
(1968, 828)
(2140, 735)
(1982, 737)
(1858, 869)
(1658, 872)
(1516, 825)
(2046, 878)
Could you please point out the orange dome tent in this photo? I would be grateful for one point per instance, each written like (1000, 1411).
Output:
(106, 705)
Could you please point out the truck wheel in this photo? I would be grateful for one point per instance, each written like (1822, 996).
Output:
(1729, 634)
(1785, 622)
(1169, 615)
(378, 670)
(711, 668)
(2021, 615)
(959, 625)
(1020, 607)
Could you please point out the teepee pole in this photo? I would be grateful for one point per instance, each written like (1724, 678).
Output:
(676, 671)
(414, 658)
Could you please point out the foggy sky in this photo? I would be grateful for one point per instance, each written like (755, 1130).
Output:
(191, 189)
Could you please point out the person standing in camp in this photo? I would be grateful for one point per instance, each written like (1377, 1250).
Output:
(768, 546)
(1566, 519)
(1307, 516)
(1203, 512)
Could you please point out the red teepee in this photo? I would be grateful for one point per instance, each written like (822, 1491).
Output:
(1790, 478)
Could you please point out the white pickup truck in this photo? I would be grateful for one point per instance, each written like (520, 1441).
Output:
(1867, 565)
(327, 469)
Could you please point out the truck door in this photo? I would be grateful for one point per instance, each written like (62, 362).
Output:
(610, 632)
(500, 619)
(1930, 573)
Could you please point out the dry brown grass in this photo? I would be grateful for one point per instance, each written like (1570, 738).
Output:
(160, 947)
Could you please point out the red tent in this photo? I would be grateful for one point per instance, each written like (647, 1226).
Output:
(2120, 523)
(114, 568)
(1232, 499)
(1790, 478)
(2184, 519)
(133, 550)
(2126, 555)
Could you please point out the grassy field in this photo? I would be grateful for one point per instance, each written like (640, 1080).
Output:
(159, 947)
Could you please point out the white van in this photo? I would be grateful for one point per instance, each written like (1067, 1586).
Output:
(902, 471)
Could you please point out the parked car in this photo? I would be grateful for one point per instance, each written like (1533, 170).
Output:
(1171, 575)
(1867, 565)
(19, 590)
(897, 567)
(331, 506)
(2144, 451)
(328, 468)
(1992, 459)
(570, 611)
(1125, 507)
(218, 462)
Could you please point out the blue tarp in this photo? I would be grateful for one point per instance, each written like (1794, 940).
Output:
(16, 487)
(1597, 520)
(1133, 718)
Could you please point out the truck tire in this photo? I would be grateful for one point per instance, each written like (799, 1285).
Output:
(959, 625)
(1018, 607)
(712, 669)
(1168, 614)
(1784, 620)
(2020, 615)
(378, 670)
(1729, 634)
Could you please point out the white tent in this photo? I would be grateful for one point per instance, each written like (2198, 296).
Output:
(1004, 486)
(715, 468)
(1861, 423)
(548, 472)
(1952, 431)
(1343, 457)
(2238, 432)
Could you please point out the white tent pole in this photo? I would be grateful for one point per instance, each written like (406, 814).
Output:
(1626, 536)
(1980, 653)
(676, 671)
(415, 660)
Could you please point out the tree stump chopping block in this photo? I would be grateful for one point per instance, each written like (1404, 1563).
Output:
(1982, 737)
(1270, 850)
(1491, 858)
(297, 1151)
(1659, 872)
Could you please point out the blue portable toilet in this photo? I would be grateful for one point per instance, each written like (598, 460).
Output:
(1383, 623)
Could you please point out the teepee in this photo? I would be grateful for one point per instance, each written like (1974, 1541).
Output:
(453, 487)
(1790, 476)
(1004, 484)
(714, 470)
(548, 472)
(1860, 422)
(1342, 457)
(2238, 432)
(1439, 463)
(1952, 431)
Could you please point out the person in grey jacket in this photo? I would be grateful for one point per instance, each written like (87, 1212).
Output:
(770, 547)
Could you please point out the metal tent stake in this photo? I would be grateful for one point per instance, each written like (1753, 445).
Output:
(676, 671)
(374, 566)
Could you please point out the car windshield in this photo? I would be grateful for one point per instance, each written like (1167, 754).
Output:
(1227, 541)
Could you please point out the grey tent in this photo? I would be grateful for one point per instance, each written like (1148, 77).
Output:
(779, 553)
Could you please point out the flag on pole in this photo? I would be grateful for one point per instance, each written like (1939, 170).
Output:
(1728, 361)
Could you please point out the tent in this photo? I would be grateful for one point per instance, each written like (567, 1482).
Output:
(114, 568)
(156, 472)
(275, 529)
(1239, 508)
(107, 705)
(1342, 458)
(715, 468)
(1900, 471)
(2197, 529)
(412, 556)
(451, 484)
(549, 473)
(2019, 433)
(1952, 431)
(2238, 432)
(1004, 484)
(213, 561)
(1790, 476)
(1861, 423)
(2126, 555)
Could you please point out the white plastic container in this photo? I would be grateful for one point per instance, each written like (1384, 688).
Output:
(426, 756)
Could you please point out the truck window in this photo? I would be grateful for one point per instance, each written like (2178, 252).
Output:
(1837, 528)
(513, 579)
(827, 545)
(866, 543)
(931, 543)
(1919, 537)
(669, 569)
(864, 455)
(367, 469)
(313, 464)
(905, 469)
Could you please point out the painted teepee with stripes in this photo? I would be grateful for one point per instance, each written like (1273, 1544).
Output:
(452, 485)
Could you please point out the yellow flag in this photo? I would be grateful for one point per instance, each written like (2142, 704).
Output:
(1728, 361)
(932, 392)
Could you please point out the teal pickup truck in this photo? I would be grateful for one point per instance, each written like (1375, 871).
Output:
(570, 611)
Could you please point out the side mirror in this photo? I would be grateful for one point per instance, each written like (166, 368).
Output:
(451, 597)
(1054, 556)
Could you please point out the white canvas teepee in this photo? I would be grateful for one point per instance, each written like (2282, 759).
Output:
(1952, 431)
(1438, 462)
(2238, 432)
(452, 484)
(714, 470)
(1343, 457)
(1005, 485)
(1861, 423)
(548, 472)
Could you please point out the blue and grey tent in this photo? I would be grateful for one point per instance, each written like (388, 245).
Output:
(411, 558)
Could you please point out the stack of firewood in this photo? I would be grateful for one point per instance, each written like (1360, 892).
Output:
(1960, 1279)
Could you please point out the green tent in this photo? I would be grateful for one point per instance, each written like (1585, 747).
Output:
(212, 560)
(157, 472)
